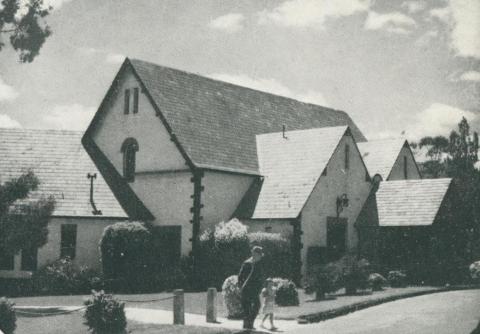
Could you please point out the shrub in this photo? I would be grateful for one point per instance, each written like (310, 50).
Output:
(88, 279)
(104, 314)
(397, 279)
(222, 252)
(325, 279)
(277, 261)
(355, 273)
(232, 297)
(8, 319)
(376, 281)
(475, 271)
(126, 252)
(58, 277)
(287, 294)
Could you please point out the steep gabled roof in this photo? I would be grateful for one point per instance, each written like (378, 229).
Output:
(380, 155)
(215, 122)
(291, 168)
(410, 202)
(59, 161)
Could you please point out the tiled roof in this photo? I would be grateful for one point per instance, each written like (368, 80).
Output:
(291, 168)
(380, 155)
(410, 202)
(216, 122)
(59, 161)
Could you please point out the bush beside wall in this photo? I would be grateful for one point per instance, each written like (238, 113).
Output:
(8, 318)
(104, 314)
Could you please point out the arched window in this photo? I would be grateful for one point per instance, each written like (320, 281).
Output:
(129, 150)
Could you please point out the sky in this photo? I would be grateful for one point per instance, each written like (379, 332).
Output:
(398, 68)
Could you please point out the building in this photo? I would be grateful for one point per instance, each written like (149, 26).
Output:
(186, 152)
(59, 161)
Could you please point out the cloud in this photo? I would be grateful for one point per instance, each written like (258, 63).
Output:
(231, 23)
(414, 6)
(69, 117)
(7, 92)
(8, 122)
(305, 13)
(437, 119)
(271, 86)
(462, 18)
(394, 22)
(470, 76)
(114, 58)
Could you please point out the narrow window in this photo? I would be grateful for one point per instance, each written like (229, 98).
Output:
(268, 229)
(68, 243)
(129, 149)
(135, 100)
(6, 261)
(367, 177)
(29, 259)
(324, 173)
(347, 157)
(405, 168)
(126, 107)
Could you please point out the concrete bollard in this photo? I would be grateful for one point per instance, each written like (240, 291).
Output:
(178, 307)
(212, 305)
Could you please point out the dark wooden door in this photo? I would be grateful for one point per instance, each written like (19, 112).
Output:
(336, 237)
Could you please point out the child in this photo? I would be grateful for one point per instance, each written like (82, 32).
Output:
(268, 297)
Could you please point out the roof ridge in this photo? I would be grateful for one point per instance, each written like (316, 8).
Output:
(305, 130)
(59, 131)
(204, 76)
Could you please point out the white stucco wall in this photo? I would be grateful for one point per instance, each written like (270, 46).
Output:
(221, 196)
(156, 150)
(397, 172)
(281, 226)
(89, 233)
(322, 201)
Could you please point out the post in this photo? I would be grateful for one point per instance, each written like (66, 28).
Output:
(178, 307)
(212, 305)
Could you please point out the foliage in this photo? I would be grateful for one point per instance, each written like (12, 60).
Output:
(8, 319)
(397, 279)
(277, 261)
(325, 279)
(222, 252)
(126, 251)
(355, 272)
(287, 294)
(23, 22)
(475, 271)
(23, 224)
(104, 314)
(232, 297)
(376, 281)
(63, 277)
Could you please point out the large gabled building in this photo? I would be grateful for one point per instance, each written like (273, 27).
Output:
(185, 152)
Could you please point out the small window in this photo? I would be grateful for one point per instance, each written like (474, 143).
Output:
(347, 157)
(129, 149)
(405, 168)
(126, 107)
(135, 100)
(29, 259)
(268, 229)
(7, 261)
(68, 243)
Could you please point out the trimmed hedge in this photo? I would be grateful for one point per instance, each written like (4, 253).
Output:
(397, 279)
(277, 261)
(287, 294)
(377, 281)
(232, 297)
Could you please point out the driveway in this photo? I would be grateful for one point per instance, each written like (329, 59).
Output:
(440, 313)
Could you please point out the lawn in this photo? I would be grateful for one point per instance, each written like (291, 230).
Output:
(73, 324)
(196, 302)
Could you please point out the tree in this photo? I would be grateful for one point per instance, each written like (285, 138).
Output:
(23, 224)
(23, 22)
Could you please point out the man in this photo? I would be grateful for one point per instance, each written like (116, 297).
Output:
(250, 280)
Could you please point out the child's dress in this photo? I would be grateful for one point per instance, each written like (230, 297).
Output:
(268, 300)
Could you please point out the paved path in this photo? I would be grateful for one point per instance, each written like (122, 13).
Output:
(453, 312)
(441, 313)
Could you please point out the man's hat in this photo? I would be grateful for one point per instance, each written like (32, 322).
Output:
(257, 250)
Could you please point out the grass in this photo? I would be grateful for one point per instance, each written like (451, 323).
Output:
(196, 302)
(73, 324)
